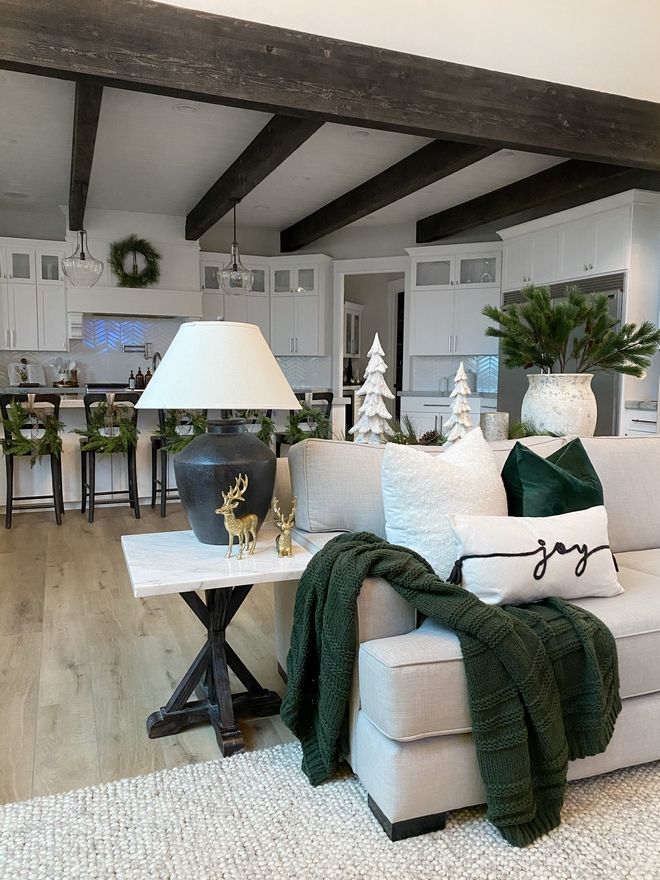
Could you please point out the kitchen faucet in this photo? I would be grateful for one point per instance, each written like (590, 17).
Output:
(155, 360)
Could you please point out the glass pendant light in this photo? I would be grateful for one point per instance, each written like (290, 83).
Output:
(235, 277)
(81, 268)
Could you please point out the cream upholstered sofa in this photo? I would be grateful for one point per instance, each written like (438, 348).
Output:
(409, 737)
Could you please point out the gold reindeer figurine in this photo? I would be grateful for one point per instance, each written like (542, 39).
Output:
(283, 541)
(242, 527)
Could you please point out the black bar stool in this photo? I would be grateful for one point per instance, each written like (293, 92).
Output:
(320, 400)
(88, 457)
(160, 449)
(49, 404)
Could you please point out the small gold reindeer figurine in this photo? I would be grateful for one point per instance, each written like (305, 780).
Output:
(242, 527)
(283, 541)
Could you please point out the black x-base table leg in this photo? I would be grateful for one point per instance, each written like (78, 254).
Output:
(208, 678)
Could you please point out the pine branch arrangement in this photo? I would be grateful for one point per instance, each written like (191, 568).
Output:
(20, 418)
(174, 440)
(575, 334)
(104, 416)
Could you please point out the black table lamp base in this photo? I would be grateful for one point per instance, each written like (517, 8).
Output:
(209, 466)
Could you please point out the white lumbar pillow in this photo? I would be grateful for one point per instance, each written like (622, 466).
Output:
(421, 490)
(526, 558)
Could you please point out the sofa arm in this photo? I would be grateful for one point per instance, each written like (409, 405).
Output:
(380, 613)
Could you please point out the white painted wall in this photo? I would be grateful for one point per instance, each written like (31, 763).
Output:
(604, 45)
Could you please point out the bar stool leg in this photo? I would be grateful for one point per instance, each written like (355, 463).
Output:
(163, 482)
(9, 468)
(132, 457)
(60, 488)
(83, 482)
(56, 489)
(154, 466)
(91, 482)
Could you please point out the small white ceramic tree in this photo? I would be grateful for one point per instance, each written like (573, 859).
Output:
(459, 422)
(373, 414)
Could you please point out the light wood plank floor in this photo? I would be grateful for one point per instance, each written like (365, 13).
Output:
(82, 662)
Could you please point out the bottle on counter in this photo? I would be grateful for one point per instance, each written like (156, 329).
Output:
(147, 377)
(139, 380)
(131, 381)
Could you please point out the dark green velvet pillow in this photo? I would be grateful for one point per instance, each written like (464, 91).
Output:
(563, 482)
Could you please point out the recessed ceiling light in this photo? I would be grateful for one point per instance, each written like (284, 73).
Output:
(508, 152)
(262, 207)
(359, 133)
(300, 178)
(428, 192)
(14, 194)
(186, 108)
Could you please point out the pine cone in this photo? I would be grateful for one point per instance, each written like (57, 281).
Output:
(430, 438)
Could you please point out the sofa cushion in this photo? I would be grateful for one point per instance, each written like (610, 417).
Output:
(413, 686)
(420, 493)
(338, 483)
(629, 469)
(562, 482)
(641, 560)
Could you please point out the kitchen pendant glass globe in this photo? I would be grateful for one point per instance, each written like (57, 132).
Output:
(234, 277)
(81, 268)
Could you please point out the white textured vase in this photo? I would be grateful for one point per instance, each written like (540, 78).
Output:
(562, 403)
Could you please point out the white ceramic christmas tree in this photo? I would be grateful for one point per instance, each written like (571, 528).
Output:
(459, 423)
(373, 414)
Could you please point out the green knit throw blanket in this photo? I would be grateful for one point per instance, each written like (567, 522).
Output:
(542, 678)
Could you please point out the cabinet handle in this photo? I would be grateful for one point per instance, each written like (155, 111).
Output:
(644, 421)
(7, 338)
(591, 265)
(455, 343)
(13, 338)
(586, 267)
(450, 342)
(296, 345)
(436, 423)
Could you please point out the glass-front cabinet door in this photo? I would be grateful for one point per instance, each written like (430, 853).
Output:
(21, 265)
(48, 267)
(433, 273)
(306, 280)
(259, 283)
(282, 281)
(478, 271)
(210, 276)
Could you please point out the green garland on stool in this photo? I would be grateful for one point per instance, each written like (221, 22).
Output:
(134, 245)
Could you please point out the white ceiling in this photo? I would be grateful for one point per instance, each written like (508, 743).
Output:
(156, 154)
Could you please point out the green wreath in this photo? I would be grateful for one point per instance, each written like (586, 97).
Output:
(135, 278)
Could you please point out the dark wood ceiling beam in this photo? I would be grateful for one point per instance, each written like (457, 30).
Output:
(556, 189)
(422, 168)
(171, 50)
(279, 138)
(86, 112)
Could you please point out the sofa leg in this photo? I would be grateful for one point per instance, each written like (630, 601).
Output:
(408, 827)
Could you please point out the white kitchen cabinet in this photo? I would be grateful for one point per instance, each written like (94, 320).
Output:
(19, 317)
(594, 245)
(249, 308)
(20, 264)
(282, 324)
(294, 279)
(52, 317)
(530, 259)
(448, 266)
(295, 325)
(450, 322)
(470, 325)
(352, 329)
(213, 306)
(431, 322)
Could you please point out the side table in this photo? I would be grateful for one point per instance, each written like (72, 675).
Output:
(176, 562)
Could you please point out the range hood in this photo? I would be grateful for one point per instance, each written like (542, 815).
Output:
(134, 302)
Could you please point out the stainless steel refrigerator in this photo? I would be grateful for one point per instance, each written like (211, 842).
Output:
(512, 384)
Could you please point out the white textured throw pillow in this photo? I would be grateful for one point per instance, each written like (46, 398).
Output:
(526, 558)
(420, 490)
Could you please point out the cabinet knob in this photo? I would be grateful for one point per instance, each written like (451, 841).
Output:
(586, 267)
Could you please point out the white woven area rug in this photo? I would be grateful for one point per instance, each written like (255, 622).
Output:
(255, 816)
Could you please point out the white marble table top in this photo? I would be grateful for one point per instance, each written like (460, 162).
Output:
(176, 562)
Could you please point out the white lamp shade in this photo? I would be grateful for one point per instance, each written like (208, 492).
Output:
(218, 365)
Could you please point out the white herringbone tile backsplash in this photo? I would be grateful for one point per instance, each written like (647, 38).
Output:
(99, 356)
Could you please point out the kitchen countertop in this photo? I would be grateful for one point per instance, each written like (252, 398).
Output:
(649, 405)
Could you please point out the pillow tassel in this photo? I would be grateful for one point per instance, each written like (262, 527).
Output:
(456, 576)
